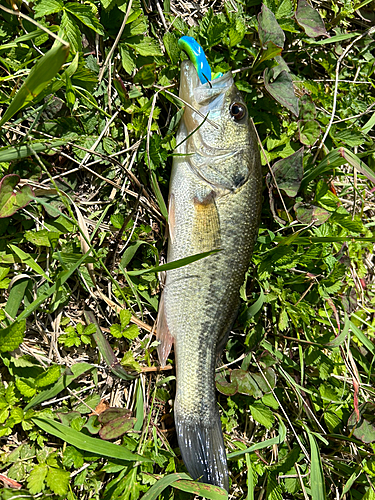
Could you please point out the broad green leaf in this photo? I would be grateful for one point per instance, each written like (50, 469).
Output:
(307, 213)
(11, 198)
(86, 443)
(173, 265)
(26, 387)
(281, 88)
(309, 132)
(58, 480)
(42, 238)
(71, 32)
(269, 29)
(171, 46)
(84, 13)
(12, 336)
(23, 151)
(146, 76)
(235, 34)
(131, 332)
(49, 376)
(36, 478)
(225, 387)
(245, 383)
(269, 52)
(310, 20)
(117, 427)
(262, 414)
(127, 59)
(48, 7)
(201, 489)
(28, 261)
(65, 380)
(147, 47)
(39, 77)
(317, 484)
(364, 429)
(288, 173)
(285, 9)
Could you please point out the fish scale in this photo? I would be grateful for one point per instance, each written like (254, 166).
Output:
(215, 203)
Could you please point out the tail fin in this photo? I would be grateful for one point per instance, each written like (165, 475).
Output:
(202, 449)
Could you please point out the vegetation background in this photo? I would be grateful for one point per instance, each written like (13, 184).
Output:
(87, 144)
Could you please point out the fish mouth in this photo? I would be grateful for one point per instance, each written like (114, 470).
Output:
(207, 98)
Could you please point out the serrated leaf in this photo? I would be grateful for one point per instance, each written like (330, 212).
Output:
(125, 317)
(47, 7)
(269, 29)
(58, 480)
(171, 46)
(116, 330)
(85, 14)
(35, 481)
(71, 32)
(262, 414)
(147, 47)
(131, 332)
(12, 336)
(127, 59)
(236, 33)
(281, 88)
(11, 198)
(146, 76)
(50, 376)
(310, 20)
(26, 387)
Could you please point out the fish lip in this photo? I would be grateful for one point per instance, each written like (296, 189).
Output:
(199, 94)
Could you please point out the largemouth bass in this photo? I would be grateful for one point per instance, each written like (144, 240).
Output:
(214, 203)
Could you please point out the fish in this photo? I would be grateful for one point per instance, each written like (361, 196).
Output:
(215, 200)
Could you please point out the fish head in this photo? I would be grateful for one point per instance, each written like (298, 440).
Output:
(218, 135)
(220, 101)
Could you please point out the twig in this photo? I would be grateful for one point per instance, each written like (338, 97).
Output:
(110, 54)
(348, 48)
(35, 23)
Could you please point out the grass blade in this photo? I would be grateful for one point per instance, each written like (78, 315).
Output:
(203, 490)
(164, 482)
(41, 74)
(29, 261)
(173, 265)
(317, 484)
(63, 382)
(106, 350)
(86, 443)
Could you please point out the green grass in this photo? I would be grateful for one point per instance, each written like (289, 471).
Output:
(85, 159)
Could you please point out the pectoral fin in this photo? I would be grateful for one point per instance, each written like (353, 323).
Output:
(163, 334)
(206, 227)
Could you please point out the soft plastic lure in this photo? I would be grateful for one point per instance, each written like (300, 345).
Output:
(198, 58)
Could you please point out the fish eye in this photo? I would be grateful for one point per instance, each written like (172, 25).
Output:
(237, 110)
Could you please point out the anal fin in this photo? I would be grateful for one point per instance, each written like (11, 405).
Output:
(163, 334)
